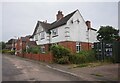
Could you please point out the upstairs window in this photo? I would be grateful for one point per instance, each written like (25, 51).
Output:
(36, 37)
(42, 35)
(54, 32)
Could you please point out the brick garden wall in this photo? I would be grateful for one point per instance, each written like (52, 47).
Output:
(48, 57)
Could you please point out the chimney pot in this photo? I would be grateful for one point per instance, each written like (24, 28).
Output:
(59, 15)
(88, 23)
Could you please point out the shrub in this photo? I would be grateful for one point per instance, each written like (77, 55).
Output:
(6, 51)
(83, 57)
(11, 52)
(61, 54)
(34, 50)
(77, 59)
(63, 60)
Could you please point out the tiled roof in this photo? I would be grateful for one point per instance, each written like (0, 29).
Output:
(11, 40)
(48, 26)
(23, 39)
(62, 21)
(93, 29)
(45, 25)
(32, 43)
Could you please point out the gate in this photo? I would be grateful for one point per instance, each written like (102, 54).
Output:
(107, 49)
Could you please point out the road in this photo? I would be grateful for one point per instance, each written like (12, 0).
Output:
(19, 69)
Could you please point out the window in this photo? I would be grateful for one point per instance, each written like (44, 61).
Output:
(54, 32)
(42, 35)
(78, 47)
(67, 34)
(36, 37)
(43, 49)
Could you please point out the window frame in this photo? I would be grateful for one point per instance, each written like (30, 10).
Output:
(78, 47)
(55, 32)
(42, 35)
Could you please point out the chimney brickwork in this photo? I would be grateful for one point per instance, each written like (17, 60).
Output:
(59, 15)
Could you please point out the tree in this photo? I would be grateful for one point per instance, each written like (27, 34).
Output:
(2, 45)
(107, 33)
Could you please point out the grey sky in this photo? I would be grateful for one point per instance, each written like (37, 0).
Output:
(19, 18)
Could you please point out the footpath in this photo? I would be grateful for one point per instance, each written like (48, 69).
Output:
(108, 72)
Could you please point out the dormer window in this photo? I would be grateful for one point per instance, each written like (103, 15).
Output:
(54, 32)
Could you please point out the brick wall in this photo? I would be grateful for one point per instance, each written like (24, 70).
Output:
(70, 45)
(40, 57)
(86, 46)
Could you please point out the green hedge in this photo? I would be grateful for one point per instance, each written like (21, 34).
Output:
(61, 54)
(34, 50)
(6, 51)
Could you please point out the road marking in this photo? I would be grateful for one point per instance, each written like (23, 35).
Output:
(62, 71)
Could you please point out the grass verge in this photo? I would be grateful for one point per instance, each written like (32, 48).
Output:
(99, 75)
(94, 64)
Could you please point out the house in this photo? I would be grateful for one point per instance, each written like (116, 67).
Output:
(21, 43)
(11, 44)
(70, 31)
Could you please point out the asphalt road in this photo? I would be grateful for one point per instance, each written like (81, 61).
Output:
(18, 69)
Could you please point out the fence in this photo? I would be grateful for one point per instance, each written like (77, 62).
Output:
(107, 49)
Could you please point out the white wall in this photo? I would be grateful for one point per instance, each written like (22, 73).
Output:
(92, 36)
(38, 35)
(77, 30)
(61, 35)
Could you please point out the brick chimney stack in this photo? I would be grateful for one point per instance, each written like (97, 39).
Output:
(88, 23)
(59, 15)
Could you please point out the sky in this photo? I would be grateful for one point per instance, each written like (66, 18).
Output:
(20, 18)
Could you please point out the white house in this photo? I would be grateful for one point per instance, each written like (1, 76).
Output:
(71, 31)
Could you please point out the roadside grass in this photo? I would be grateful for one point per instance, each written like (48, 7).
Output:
(97, 74)
(0, 51)
(93, 64)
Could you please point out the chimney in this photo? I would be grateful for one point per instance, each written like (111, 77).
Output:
(59, 15)
(45, 21)
(88, 23)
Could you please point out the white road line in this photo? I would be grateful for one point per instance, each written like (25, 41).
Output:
(62, 71)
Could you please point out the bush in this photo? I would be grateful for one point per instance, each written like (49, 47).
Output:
(6, 51)
(11, 52)
(77, 59)
(83, 57)
(61, 54)
(34, 50)
(63, 60)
